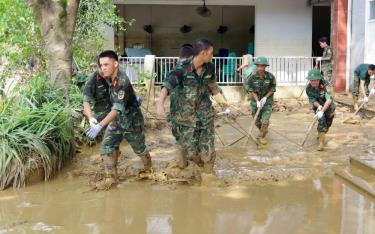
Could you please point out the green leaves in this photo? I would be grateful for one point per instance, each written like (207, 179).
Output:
(21, 37)
(36, 131)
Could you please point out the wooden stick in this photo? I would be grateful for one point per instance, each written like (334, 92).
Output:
(234, 142)
(309, 130)
(218, 136)
(252, 126)
(356, 112)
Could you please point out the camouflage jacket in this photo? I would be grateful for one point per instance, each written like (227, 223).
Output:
(192, 94)
(320, 94)
(96, 92)
(327, 64)
(123, 96)
(261, 85)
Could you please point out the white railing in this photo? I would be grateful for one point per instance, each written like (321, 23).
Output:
(287, 70)
(163, 65)
(291, 70)
(132, 66)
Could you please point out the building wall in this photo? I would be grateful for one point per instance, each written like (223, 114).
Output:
(167, 20)
(283, 28)
(357, 44)
(370, 35)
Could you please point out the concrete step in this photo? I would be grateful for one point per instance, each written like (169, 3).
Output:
(360, 174)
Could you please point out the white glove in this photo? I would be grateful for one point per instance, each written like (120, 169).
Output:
(365, 99)
(318, 59)
(320, 114)
(94, 131)
(320, 107)
(93, 121)
(259, 104)
(263, 101)
(372, 91)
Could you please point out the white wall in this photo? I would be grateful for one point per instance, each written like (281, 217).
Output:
(167, 21)
(357, 42)
(283, 28)
(370, 35)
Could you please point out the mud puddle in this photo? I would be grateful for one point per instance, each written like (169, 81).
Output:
(309, 206)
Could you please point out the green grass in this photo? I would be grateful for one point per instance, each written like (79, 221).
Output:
(37, 131)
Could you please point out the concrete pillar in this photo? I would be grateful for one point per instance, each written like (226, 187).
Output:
(338, 41)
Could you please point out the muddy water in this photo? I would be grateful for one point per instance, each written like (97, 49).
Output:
(281, 188)
(63, 206)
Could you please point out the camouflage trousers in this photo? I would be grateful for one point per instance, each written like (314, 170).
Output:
(265, 114)
(325, 122)
(198, 141)
(129, 126)
(327, 74)
(356, 86)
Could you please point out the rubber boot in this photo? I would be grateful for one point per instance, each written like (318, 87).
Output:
(355, 103)
(110, 166)
(262, 134)
(147, 163)
(182, 160)
(322, 136)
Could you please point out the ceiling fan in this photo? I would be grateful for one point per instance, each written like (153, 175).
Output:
(203, 10)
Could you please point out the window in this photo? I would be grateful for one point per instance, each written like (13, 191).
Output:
(372, 10)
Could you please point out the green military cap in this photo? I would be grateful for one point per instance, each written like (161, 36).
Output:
(314, 74)
(261, 61)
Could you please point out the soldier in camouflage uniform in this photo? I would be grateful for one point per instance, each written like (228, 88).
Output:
(320, 97)
(193, 82)
(96, 99)
(327, 60)
(261, 84)
(362, 76)
(125, 120)
(185, 55)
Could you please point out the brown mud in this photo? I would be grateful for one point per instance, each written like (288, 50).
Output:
(281, 160)
(280, 188)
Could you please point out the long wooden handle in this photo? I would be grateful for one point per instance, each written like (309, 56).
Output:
(309, 130)
(252, 125)
(356, 112)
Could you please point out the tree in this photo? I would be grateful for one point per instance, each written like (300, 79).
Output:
(52, 30)
(56, 21)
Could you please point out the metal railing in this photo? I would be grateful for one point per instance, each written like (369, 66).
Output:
(287, 70)
(163, 65)
(132, 66)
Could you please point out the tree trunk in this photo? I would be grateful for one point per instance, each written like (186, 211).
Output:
(56, 20)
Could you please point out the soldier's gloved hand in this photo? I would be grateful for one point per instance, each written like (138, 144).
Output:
(365, 99)
(319, 114)
(263, 101)
(94, 131)
(372, 91)
(318, 59)
(93, 121)
(259, 105)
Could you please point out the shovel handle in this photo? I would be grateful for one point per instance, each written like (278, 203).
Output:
(309, 130)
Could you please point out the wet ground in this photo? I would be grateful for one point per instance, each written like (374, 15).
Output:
(64, 206)
(281, 188)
